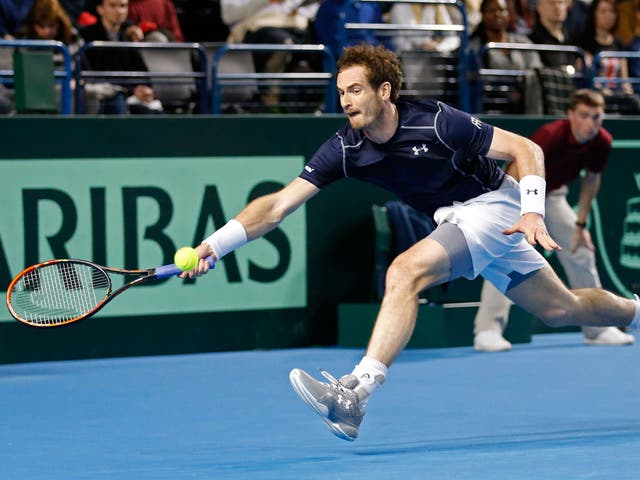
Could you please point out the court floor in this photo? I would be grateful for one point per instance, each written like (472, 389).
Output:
(552, 409)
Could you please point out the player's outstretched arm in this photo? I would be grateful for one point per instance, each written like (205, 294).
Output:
(265, 213)
(259, 217)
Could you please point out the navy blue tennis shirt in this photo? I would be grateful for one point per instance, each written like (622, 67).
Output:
(436, 156)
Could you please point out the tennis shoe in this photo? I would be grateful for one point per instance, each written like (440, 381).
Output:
(336, 402)
(491, 341)
(611, 336)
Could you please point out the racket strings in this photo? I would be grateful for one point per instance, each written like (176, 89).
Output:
(59, 292)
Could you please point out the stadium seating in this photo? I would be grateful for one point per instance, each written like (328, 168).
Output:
(494, 86)
(177, 71)
(62, 75)
(235, 84)
(221, 78)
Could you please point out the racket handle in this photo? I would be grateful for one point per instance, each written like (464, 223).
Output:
(170, 270)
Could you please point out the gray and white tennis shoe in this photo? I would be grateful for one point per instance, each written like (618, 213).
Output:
(336, 402)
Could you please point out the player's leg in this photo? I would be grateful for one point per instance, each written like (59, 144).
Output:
(491, 320)
(467, 241)
(579, 266)
(544, 295)
(422, 266)
(341, 403)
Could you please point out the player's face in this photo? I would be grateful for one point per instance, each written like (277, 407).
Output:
(585, 122)
(362, 104)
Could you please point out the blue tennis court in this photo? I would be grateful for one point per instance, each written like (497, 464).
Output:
(552, 409)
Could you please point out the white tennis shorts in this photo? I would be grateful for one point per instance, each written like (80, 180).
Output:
(497, 257)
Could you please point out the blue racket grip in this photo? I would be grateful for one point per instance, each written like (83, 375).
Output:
(170, 270)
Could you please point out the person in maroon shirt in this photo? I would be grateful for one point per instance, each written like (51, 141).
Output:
(570, 145)
(159, 13)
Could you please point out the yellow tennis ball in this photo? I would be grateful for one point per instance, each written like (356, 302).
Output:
(186, 258)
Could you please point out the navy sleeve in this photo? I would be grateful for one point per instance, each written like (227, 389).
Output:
(461, 131)
(326, 165)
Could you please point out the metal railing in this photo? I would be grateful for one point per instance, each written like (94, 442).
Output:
(389, 30)
(197, 76)
(593, 76)
(323, 80)
(62, 77)
(497, 81)
(577, 52)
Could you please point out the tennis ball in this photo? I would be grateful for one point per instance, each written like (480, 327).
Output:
(186, 258)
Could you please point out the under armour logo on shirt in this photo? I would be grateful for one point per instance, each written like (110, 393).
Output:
(417, 150)
(534, 191)
(475, 121)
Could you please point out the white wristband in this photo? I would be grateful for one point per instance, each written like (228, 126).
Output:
(532, 194)
(226, 239)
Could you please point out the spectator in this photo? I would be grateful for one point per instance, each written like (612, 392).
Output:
(269, 21)
(285, 22)
(522, 16)
(12, 17)
(570, 145)
(157, 15)
(112, 25)
(423, 14)
(599, 36)
(474, 17)
(550, 30)
(556, 77)
(525, 96)
(423, 52)
(47, 20)
(634, 46)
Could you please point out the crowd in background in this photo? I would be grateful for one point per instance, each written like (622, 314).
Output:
(601, 25)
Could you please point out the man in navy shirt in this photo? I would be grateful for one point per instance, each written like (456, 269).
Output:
(439, 160)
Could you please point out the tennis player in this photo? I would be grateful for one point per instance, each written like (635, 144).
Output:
(439, 160)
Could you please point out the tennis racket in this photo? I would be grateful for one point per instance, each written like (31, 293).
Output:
(63, 291)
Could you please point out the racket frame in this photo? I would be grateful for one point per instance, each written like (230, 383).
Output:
(143, 276)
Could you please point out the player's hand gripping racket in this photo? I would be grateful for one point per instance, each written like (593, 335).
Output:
(59, 292)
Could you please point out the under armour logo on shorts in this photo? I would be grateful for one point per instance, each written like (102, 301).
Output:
(534, 191)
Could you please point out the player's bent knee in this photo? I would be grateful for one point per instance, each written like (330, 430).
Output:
(403, 274)
(399, 275)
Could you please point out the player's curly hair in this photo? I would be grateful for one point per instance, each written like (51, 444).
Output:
(381, 65)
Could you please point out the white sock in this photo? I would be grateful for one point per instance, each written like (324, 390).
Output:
(370, 374)
(635, 323)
